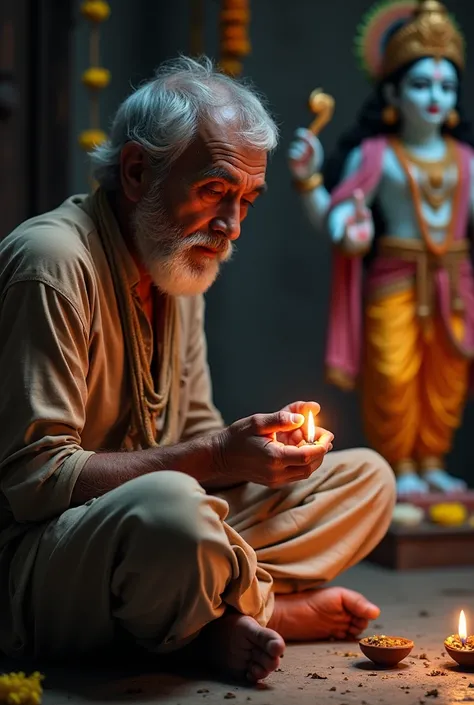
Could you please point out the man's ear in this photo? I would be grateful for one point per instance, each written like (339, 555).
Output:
(133, 171)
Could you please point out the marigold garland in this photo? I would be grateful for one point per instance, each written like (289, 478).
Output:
(19, 689)
(95, 78)
(234, 39)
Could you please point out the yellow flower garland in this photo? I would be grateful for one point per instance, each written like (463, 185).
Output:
(95, 10)
(88, 139)
(19, 689)
(235, 43)
(95, 78)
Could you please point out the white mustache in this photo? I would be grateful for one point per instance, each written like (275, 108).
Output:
(219, 243)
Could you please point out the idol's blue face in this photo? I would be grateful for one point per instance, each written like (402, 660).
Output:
(427, 92)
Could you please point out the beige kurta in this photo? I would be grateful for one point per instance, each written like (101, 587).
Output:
(66, 391)
(65, 394)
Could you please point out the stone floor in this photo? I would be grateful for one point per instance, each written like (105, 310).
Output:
(423, 606)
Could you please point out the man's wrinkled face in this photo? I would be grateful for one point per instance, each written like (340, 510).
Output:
(184, 226)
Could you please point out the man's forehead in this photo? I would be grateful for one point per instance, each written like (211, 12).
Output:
(256, 183)
(222, 137)
(220, 149)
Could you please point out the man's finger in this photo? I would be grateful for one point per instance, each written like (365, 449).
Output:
(304, 407)
(286, 456)
(325, 438)
(294, 474)
(268, 424)
(297, 473)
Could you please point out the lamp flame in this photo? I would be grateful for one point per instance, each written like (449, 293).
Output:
(311, 430)
(462, 629)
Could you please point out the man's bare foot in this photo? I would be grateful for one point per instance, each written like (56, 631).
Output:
(320, 614)
(240, 646)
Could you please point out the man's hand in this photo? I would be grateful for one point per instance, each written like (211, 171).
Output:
(251, 449)
(301, 433)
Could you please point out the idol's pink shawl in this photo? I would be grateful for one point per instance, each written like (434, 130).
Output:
(344, 343)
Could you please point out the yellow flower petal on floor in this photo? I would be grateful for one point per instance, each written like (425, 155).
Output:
(19, 689)
(448, 513)
(91, 138)
(96, 77)
(95, 10)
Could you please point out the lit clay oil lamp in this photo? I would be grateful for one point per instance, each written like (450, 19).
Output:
(386, 650)
(460, 646)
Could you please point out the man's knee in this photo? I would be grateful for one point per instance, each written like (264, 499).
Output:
(167, 509)
(377, 472)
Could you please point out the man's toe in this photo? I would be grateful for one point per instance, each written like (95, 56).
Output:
(359, 606)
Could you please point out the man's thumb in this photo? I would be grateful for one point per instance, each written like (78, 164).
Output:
(277, 422)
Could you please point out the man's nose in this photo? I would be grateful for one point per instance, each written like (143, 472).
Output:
(227, 222)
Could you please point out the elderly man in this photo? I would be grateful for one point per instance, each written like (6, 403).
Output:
(129, 511)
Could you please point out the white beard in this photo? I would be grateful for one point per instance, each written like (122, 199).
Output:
(172, 258)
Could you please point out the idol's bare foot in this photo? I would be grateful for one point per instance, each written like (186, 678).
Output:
(323, 613)
(239, 646)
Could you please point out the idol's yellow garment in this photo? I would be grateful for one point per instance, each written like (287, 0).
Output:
(414, 381)
(156, 559)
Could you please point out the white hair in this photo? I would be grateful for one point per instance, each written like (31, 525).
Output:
(164, 114)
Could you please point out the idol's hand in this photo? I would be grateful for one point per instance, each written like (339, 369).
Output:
(359, 228)
(305, 155)
(246, 451)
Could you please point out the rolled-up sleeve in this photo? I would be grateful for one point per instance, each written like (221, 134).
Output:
(43, 392)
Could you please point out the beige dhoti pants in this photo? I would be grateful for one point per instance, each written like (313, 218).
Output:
(158, 558)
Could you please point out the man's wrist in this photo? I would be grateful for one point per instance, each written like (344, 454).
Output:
(201, 458)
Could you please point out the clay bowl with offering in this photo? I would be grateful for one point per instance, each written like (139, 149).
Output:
(462, 653)
(385, 650)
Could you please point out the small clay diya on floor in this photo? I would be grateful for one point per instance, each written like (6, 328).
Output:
(461, 651)
(386, 650)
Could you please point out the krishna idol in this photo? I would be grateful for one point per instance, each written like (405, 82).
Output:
(397, 199)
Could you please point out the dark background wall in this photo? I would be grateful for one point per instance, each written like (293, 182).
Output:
(267, 313)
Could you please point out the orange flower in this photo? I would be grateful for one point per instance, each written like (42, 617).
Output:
(235, 16)
(234, 31)
(235, 4)
(235, 46)
(231, 67)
